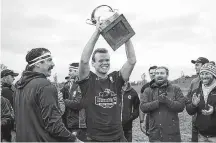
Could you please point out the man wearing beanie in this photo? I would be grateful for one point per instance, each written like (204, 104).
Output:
(37, 113)
(194, 84)
(203, 103)
(74, 116)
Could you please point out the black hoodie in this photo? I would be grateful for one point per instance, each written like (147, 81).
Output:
(131, 104)
(37, 114)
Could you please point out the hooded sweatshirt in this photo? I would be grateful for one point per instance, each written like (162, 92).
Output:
(37, 114)
(130, 109)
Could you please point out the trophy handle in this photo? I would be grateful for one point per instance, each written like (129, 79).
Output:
(93, 21)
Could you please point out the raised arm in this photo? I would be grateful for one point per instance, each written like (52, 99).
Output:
(131, 61)
(84, 67)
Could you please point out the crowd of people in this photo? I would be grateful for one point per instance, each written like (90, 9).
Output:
(101, 107)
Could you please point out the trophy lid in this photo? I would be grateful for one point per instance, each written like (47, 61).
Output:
(101, 13)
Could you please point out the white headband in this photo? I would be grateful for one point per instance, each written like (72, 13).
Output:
(46, 54)
(73, 67)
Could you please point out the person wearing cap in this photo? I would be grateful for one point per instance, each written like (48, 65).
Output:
(163, 101)
(74, 116)
(7, 79)
(102, 90)
(194, 84)
(37, 112)
(130, 109)
(212, 62)
(203, 104)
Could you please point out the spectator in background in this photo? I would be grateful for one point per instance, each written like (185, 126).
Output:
(163, 101)
(212, 62)
(194, 85)
(7, 120)
(37, 113)
(203, 104)
(130, 109)
(7, 79)
(144, 120)
(74, 116)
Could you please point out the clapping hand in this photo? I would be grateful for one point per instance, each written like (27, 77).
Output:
(209, 111)
(195, 99)
(162, 98)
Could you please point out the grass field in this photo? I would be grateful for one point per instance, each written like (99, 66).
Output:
(185, 125)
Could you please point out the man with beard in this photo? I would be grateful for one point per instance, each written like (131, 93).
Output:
(163, 101)
(7, 79)
(37, 113)
(74, 116)
(130, 109)
(203, 104)
(144, 126)
(194, 85)
(102, 91)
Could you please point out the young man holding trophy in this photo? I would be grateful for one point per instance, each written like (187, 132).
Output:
(102, 91)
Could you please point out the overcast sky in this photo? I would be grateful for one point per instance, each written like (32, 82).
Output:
(168, 32)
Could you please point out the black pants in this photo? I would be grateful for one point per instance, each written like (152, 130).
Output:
(147, 124)
(6, 133)
(194, 130)
(128, 134)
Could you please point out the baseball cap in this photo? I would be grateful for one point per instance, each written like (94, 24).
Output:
(202, 60)
(67, 77)
(7, 72)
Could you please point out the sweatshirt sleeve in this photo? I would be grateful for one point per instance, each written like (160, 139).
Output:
(51, 114)
(178, 104)
(147, 105)
(190, 108)
(6, 115)
(136, 104)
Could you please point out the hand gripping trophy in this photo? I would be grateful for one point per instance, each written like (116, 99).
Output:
(114, 27)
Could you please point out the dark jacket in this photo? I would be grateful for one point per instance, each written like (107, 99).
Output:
(193, 86)
(6, 119)
(7, 92)
(74, 115)
(130, 109)
(206, 124)
(144, 87)
(37, 114)
(163, 120)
